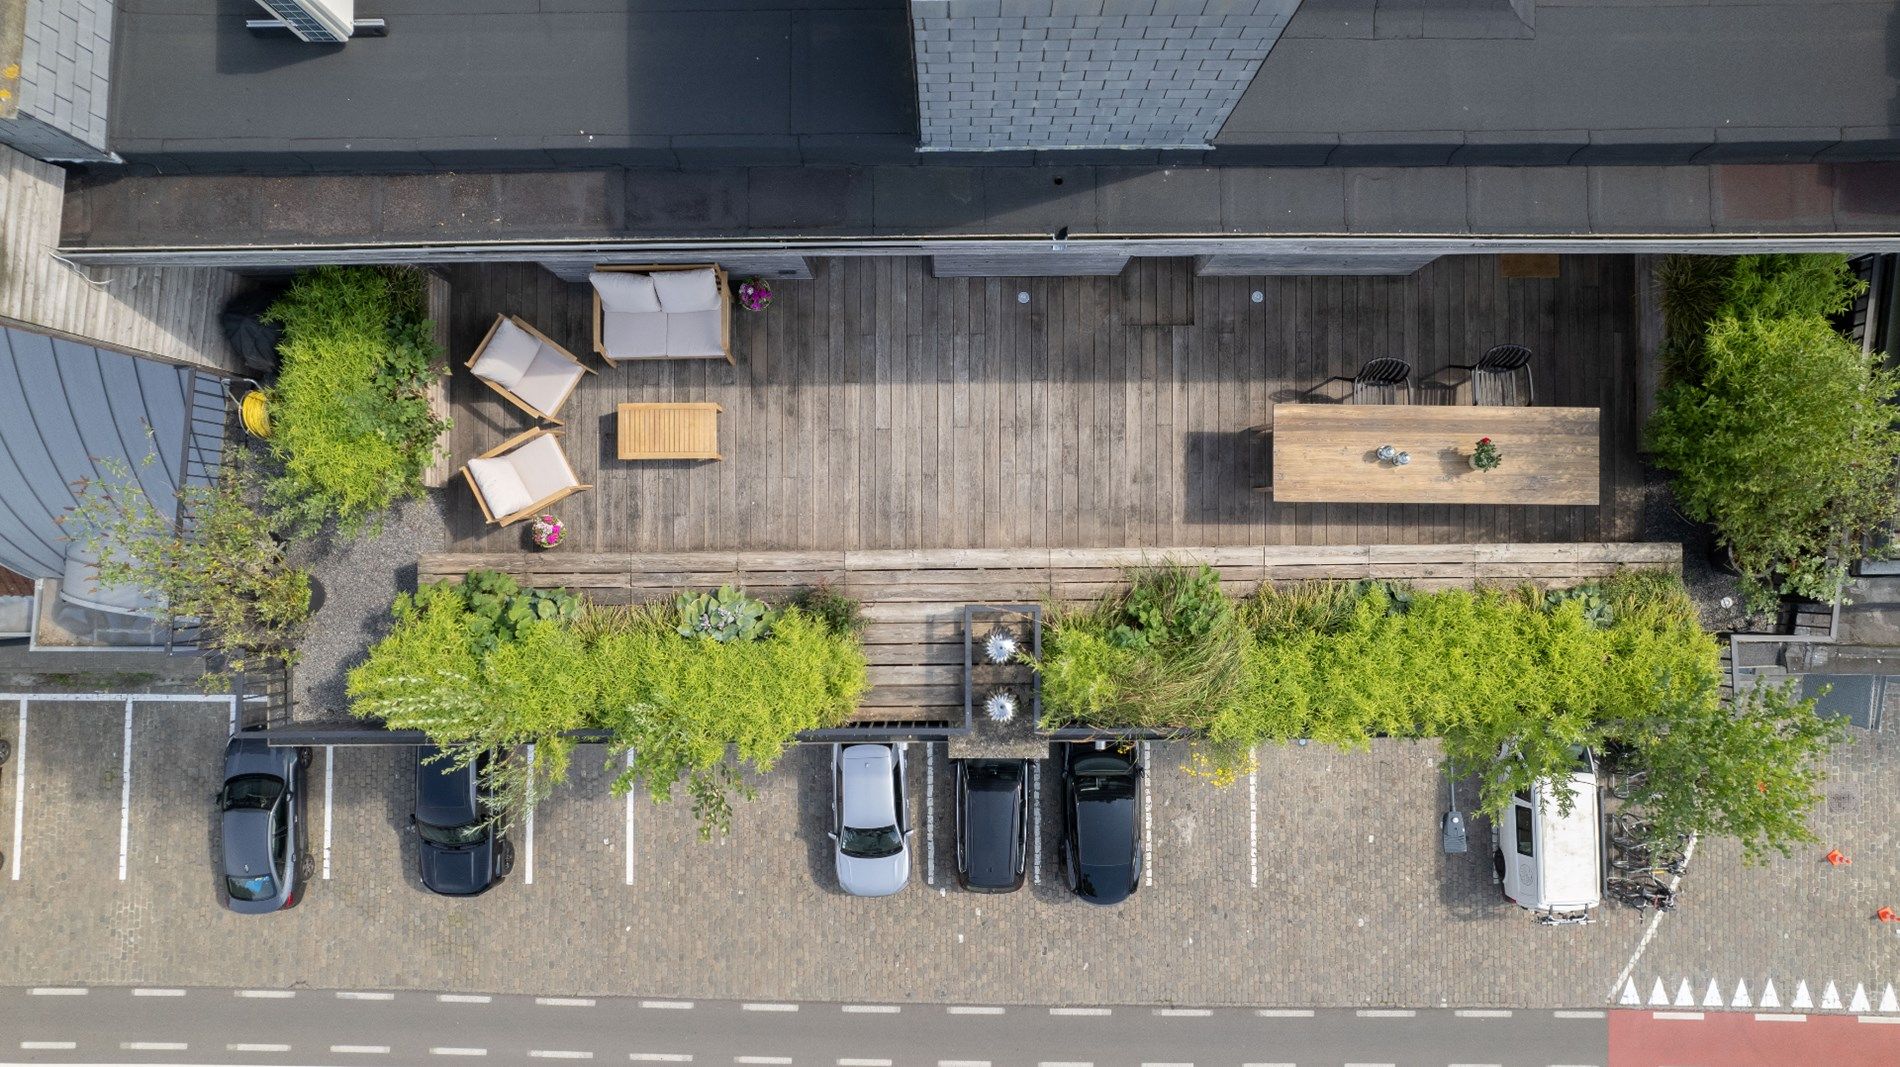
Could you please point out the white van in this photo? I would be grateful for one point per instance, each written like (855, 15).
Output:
(1549, 861)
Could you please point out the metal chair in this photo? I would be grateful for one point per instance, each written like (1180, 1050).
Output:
(1494, 378)
(1382, 381)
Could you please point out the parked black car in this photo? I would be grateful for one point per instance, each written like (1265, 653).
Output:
(1101, 822)
(261, 827)
(461, 853)
(992, 812)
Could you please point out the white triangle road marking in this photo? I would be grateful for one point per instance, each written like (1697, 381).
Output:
(1685, 997)
(1801, 997)
(1887, 1000)
(1712, 997)
(1858, 1002)
(1659, 995)
(1770, 998)
(1630, 995)
(1741, 998)
(1831, 998)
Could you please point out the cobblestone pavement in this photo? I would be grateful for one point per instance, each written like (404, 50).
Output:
(1318, 883)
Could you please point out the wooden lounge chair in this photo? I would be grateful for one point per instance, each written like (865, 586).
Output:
(671, 311)
(517, 478)
(526, 367)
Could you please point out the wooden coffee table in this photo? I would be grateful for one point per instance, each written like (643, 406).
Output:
(668, 431)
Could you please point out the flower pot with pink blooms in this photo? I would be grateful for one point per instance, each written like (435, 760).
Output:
(754, 294)
(546, 531)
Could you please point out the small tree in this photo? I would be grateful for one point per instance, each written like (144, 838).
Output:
(228, 571)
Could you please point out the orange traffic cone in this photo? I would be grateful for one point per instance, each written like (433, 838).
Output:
(1887, 915)
(1836, 858)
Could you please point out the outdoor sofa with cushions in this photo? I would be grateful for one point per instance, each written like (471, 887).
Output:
(517, 478)
(662, 312)
(523, 365)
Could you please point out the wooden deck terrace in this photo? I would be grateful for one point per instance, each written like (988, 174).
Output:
(877, 407)
(913, 599)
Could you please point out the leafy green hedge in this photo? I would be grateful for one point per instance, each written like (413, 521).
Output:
(1622, 664)
(350, 420)
(678, 703)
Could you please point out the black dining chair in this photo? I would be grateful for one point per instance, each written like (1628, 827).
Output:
(1495, 377)
(1386, 380)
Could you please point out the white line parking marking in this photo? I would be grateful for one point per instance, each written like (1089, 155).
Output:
(1687, 1016)
(1081, 1011)
(158, 992)
(1035, 812)
(847, 1062)
(1183, 1013)
(559, 1054)
(1576, 1015)
(1284, 1013)
(1151, 1063)
(630, 823)
(125, 793)
(1483, 1013)
(761, 1059)
(458, 1052)
(267, 994)
(233, 723)
(769, 1007)
(973, 1009)
(565, 1002)
(49, 1046)
(364, 1050)
(1877, 1019)
(1779, 1017)
(662, 1057)
(681, 1005)
(1371, 1065)
(1474, 1065)
(1385, 1013)
(1253, 822)
(153, 1046)
(1147, 819)
(19, 788)
(872, 1009)
(329, 788)
(963, 1063)
(1066, 1063)
(345, 994)
(527, 875)
(59, 991)
(1269, 1065)
(463, 998)
(251, 1046)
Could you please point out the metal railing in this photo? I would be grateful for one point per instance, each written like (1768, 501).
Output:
(201, 458)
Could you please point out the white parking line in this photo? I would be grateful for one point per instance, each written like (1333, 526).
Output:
(872, 1009)
(1780, 1017)
(1878, 1019)
(1165, 1063)
(630, 793)
(19, 788)
(974, 1009)
(963, 1063)
(1371, 1065)
(559, 1054)
(1685, 1016)
(930, 816)
(1284, 1013)
(1576, 1015)
(762, 1059)
(1035, 812)
(1474, 1065)
(256, 1046)
(565, 1002)
(158, 992)
(1269, 1065)
(1385, 1013)
(153, 1046)
(125, 793)
(1184, 1013)
(1147, 819)
(48, 1046)
(845, 1061)
(1066, 1063)
(362, 1050)
(329, 788)
(1081, 1011)
(1253, 821)
(661, 1057)
(347, 994)
(443, 1051)
(463, 998)
(677, 1005)
(768, 1007)
(1483, 1013)
(267, 994)
(59, 991)
(527, 875)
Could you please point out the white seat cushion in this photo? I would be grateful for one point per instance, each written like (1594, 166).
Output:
(693, 333)
(508, 355)
(686, 290)
(543, 469)
(623, 291)
(549, 378)
(633, 334)
(499, 485)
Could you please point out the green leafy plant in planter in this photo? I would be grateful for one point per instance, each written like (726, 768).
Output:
(726, 615)
(498, 607)
(228, 571)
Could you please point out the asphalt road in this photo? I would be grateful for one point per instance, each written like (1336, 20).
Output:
(309, 1027)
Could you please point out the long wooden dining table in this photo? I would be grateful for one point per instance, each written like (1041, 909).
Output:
(1329, 453)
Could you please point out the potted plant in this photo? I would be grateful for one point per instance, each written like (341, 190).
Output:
(546, 531)
(1486, 456)
(754, 294)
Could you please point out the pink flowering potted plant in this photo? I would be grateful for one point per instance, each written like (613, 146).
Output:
(546, 531)
(754, 294)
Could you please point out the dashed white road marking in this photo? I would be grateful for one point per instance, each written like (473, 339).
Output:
(768, 1007)
(1685, 1016)
(1385, 1013)
(1483, 1013)
(361, 1050)
(256, 1046)
(676, 1005)
(847, 1061)
(329, 787)
(59, 991)
(19, 788)
(1183, 1013)
(1878, 1019)
(267, 994)
(1371, 1065)
(1165, 1063)
(963, 1063)
(449, 1051)
(1284, 1013)
(1780, 1017)
(974, 1009)
(871, 1009)
(630, 793)
(1253, 822)
(661, 1057)
(158, 992)
(1081, 1011)
(1147, 818)
(762, 1059)
(1066, 1063)
(125, 793)
(463, 998)
(1474, 1065)
(527, 868)
(1035, 813)
(153, 1046)
(1269, 1065)
(565, 1002)
(559, 1054)
(348, 994)
(1576, 1015)
(48, 1046)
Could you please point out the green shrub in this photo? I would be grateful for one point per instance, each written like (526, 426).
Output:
(724, 615)
(1785, 442)
(350, 418)
(843, 614)
(461, 665)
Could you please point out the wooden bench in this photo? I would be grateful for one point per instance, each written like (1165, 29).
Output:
(668, 431)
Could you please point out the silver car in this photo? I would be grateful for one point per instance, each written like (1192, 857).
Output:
(870, 819)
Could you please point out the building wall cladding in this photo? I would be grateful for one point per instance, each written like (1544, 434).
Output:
(1038, 74)
(65, 74)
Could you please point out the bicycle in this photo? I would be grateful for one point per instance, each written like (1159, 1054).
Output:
(1644, 857)
(1642, 893)
(1624, 786)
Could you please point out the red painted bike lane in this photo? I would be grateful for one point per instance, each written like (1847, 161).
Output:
(1751, 1039)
